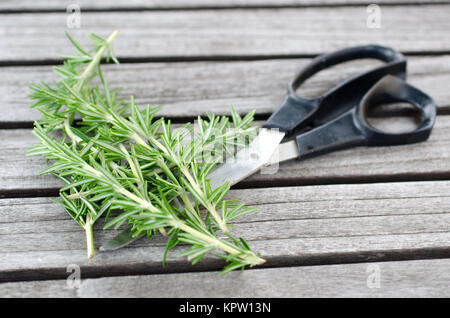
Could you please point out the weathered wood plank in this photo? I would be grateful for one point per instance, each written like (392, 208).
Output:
(25, 236)
(37, 289)
(207, 33)
(428, 278)
(187, 90)
(427, 160)
(422, 278)
(8, 5)
(293, 225)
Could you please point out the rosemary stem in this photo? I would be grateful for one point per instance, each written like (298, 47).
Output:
(95, 60)
(189, 206)
(189, 177)
(209, 207)
(89, 236)
(98, 55)
(251, 258)
(75, 139)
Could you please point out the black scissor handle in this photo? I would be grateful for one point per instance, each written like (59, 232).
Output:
(391, 90)
(352, 128)
(296, 111)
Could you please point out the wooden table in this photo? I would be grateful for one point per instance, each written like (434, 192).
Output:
(362, 222)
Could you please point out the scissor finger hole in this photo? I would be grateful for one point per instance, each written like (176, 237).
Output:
(394, 118)
(324, 80)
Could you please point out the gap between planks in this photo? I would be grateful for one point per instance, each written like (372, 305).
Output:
(200, 58)
(33, 6)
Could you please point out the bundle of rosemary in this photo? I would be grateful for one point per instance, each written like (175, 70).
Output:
(113, 155)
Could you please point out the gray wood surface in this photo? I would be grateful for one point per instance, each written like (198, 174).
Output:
(35, 289)
(187, 90)
(423, 278)
(209, 33)
(422, 161)
(34, 5)
(293, 226)
(239, 52)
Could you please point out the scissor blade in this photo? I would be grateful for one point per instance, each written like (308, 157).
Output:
(126, 237)
(122, 239)
(286, 151)
(248, 160)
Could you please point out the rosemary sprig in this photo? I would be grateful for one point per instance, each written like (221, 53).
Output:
(150, 211)
(51, 104)
(159, 180)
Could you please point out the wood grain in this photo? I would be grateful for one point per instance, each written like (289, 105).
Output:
(424, 278)
(228, 33)
(37, 289)
(293, 226)
(255, 46)
(187, 90)
(400, 279)
(33, 5)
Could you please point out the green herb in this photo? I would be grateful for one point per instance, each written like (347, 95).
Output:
(118, 156)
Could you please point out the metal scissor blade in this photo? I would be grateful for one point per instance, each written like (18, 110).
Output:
(122, 239)
(248, 160)
(286, 151)
(126, 237)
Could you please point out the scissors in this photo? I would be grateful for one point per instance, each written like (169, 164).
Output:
(337, 119)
